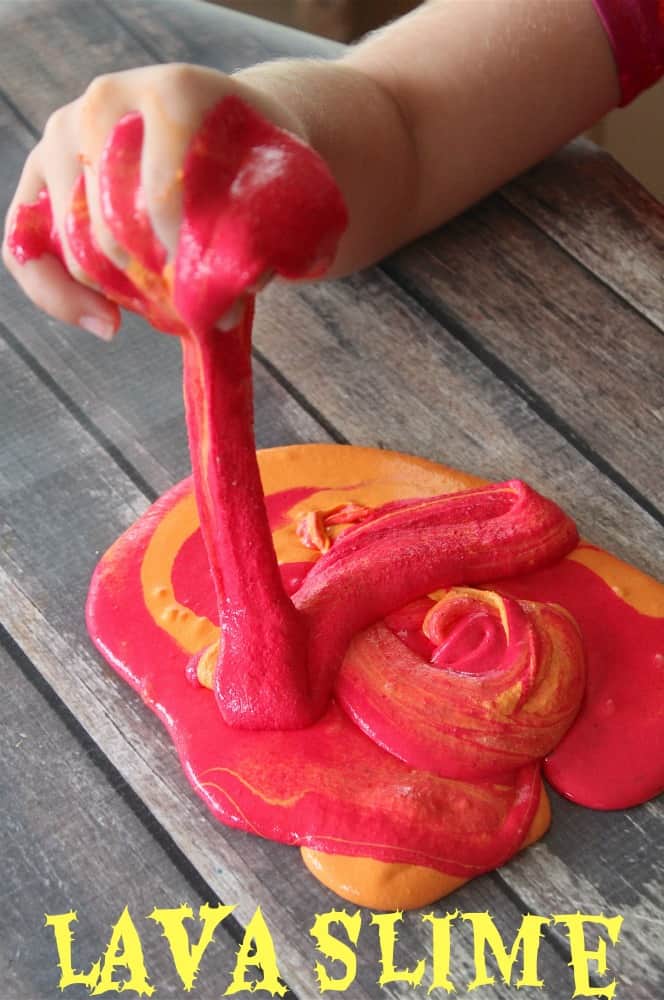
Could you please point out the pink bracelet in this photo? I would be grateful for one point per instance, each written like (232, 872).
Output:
(636, 32)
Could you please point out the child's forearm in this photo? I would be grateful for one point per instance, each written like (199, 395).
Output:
(416, 123)
(425, 117)
(358, 128)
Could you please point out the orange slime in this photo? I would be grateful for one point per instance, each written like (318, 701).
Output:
(374, 702)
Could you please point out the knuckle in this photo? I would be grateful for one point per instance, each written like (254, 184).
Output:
(100, 88)
(98, 97)
(54, 122)
(180, 77)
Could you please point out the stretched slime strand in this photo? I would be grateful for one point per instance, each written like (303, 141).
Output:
(260, 680)
(242, 180)
(256, 200)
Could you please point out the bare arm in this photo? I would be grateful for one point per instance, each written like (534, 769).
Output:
(416, 123)
(425, 117)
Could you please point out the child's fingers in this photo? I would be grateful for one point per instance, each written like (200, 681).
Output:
(46, 281)
(101, 107)
(30, 184)
(165, 102)
(172, 101)
(173, 106)
(168, 131)
(62, 169)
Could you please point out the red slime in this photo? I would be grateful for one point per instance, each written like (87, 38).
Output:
(272, 752)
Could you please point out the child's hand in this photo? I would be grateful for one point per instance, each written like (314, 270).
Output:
(173, 100)
(414, 124)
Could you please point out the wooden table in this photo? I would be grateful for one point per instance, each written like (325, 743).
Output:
(524, 339)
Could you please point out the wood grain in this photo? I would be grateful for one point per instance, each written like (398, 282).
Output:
(584, 200)
(97, 431)
(385, 372)
(586, 358)
(56, 50)
(71, 839)
(45, 618)
(363, 417)
(173, 31)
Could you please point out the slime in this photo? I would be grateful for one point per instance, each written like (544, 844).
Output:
(354, 651)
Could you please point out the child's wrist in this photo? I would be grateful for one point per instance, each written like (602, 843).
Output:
(272, 88)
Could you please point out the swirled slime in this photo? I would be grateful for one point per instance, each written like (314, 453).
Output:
(354, 651)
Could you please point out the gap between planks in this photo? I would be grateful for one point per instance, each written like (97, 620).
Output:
(513, 893)
(533, 399)
(120, 851)
(123, 716)
(473, 343)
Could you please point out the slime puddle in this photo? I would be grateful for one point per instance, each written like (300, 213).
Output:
(337, 856)
(355, 651)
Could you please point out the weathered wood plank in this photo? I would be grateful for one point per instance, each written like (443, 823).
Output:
(45, 617)
(99, 380)
(625, 355)
(589, 858)
(343, 389)
(384, 372)
(584, 200)
(401, 387)
(51, 51)
(99, 383)
(71, 840)
(15, 141)
(357, 380)
(576, 196)
(590, 359)
(220, 38)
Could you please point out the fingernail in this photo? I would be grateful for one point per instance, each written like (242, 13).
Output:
(102, 328)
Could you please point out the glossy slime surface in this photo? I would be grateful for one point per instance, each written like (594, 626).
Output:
(351, 713)
(327, 786)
